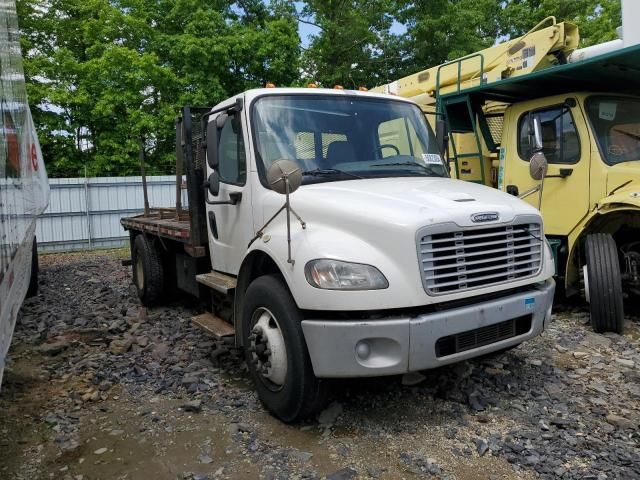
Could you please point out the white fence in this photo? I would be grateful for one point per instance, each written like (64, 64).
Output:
(85, 213)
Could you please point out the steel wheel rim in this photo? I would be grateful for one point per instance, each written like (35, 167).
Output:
(267, 349)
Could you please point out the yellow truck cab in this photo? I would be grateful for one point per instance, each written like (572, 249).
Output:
(559, 127)
(590, 194)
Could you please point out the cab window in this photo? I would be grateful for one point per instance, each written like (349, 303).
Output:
(231, 156)
(305, 144)
(398, 137)
(560, 141)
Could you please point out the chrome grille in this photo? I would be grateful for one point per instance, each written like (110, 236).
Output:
(458, 260)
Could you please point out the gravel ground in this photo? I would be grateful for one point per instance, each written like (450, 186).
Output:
(99, 388)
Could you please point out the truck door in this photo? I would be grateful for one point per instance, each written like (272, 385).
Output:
(230, 226)
(565, 197)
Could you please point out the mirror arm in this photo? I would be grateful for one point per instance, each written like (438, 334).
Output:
(529, 192)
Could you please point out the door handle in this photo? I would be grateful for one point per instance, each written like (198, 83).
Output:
(234, 198)
(564, 173)
(513, 190)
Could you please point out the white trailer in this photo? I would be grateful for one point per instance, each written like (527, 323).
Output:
(24, 189)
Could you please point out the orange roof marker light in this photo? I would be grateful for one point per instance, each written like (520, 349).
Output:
(338, 87)
(363, 89)
(270, 85)
(312, 85)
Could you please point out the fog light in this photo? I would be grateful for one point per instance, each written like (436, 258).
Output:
(363, 350)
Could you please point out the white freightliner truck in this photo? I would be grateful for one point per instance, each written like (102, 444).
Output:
(378, 264)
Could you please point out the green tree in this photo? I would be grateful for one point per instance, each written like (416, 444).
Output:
(441, 30)
(103, 73)
(354, 46)
(597, 19)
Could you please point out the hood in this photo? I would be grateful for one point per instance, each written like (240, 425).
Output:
(623, 176)
(406, 202)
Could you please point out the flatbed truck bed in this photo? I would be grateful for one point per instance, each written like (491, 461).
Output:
(163, 222)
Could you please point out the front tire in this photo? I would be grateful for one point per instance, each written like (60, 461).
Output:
(277, 354)
(148, 271)
(603, 285)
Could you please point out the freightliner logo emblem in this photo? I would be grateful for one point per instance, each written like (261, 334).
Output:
(484, 217)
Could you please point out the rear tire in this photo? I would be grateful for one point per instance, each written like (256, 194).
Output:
(148, 271)
(35, 269)
(287, 388)
(604, 283)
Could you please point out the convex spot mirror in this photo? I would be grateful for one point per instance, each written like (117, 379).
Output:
(538, 166)
(212, 139)
(213, 183)
(282, 171)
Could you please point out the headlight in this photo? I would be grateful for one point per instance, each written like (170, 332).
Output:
(336, 275)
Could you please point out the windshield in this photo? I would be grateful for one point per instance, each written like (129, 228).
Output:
(343, 138)
(616, 124)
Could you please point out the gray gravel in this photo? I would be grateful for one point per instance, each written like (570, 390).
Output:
(99, 387)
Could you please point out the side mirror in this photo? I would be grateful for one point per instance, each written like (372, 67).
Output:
(213, 184)
(283, 172)
(441, 136)
(212, 144)
(538, 166)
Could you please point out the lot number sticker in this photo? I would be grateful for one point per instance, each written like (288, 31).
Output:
(607, 111)
(432, 159)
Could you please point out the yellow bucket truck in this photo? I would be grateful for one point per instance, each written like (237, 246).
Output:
(558, 126)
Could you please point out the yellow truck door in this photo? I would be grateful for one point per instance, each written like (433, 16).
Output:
(566, 145)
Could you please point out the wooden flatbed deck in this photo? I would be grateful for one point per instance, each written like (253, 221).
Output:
(163, 222)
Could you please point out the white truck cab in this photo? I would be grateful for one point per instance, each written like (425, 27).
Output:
(382, 265)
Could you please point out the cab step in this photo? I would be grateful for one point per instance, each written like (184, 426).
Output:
(217, 281)
(214, 326)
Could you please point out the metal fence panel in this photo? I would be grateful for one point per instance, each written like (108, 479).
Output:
(85, 213)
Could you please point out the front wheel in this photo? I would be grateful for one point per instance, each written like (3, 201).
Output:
(276, 352)
(603, 283)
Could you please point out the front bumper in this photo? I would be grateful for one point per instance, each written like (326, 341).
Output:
(391, 346)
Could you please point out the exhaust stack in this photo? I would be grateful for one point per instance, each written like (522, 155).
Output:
(628, 35)
(630, 10)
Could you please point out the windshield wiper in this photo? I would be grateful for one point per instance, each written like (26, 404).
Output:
(427, 169)
(321, 172)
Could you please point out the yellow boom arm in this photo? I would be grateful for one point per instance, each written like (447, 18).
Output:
(540, 48)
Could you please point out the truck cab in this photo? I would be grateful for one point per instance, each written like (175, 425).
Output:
(344, 247)
(592, 187)
(558, 126)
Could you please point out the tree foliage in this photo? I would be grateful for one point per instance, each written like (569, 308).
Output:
(105, 73)
(597, 20)
(102, 74)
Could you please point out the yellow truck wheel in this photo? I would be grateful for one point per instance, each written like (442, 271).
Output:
(603, 283)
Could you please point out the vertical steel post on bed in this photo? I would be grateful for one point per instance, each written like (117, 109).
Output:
(144, 177)
(195, 181)
(179, 162)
